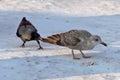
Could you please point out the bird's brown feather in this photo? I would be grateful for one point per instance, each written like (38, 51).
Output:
(54, 39)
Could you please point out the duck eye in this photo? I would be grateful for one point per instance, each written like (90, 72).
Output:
(96, 39)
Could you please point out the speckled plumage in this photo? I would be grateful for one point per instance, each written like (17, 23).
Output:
(75, 40)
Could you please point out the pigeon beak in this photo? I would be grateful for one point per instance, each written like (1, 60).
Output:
(104, 44)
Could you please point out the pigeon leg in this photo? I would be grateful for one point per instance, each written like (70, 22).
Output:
(84, 55)
(74, 55)
(40, 47)
(23, 45)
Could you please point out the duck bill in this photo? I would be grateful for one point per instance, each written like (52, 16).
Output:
(104, 44)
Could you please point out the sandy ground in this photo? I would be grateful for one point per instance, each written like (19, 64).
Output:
(55, 62)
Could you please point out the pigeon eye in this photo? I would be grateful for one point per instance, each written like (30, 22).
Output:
(96, 39)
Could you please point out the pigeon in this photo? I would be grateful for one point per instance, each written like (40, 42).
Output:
(27, 32)
(75, 40)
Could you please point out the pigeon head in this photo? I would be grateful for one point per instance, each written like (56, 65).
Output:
(24, 19)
